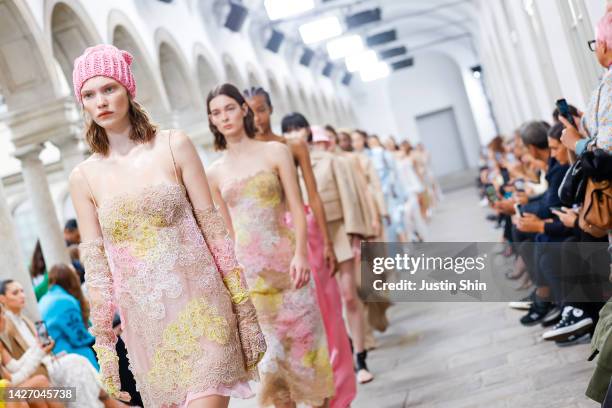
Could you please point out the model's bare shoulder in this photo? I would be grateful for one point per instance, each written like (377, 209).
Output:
(298, 147)
(274, 147)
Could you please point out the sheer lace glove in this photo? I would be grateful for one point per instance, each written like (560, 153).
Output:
(99, 283)
(221, 247)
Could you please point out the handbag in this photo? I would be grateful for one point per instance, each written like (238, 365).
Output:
(595, 217)
(573, 186)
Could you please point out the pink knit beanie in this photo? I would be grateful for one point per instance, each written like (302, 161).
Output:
(103, 60)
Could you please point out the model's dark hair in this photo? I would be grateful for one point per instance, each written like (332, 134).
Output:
(497, 144)
(258, 91)
(535, 133)
(71, 225)
(331, 129)
(296, 121)
(143, 130)
(406, 146)
(230, 91)
(37, 264)
(4, 285)
(364, 136)
(556, 130)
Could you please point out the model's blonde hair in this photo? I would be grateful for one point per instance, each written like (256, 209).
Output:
(143, 130)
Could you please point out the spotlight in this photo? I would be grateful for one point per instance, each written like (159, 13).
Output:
(476, 71)
(236, 17)
(275, 41)
(364, 17)
(307, 57)
(374, 72)
(346, 79)
(392, 52)
(360, 61)
(343, 46)
(381, 38)
(321, 29)
(278, 9)
(405, 63)
(327, 70)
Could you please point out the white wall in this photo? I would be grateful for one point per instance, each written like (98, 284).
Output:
(549, 37)
(435, 82)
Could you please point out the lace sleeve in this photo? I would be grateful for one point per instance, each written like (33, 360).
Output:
(99, 283)
(221, 247)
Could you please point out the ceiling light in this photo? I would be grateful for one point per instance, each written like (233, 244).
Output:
(319, 30)
(362, 60)
(374, 72)
(278, 9)
(405, 63)
(381, 38)
(344, 46)
(362, 18)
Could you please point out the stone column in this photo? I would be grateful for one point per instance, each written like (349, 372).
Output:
(71, 150)
(13, 264)
(37, 186)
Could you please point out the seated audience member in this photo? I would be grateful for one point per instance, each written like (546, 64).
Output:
(71, 233)
(23, 372)
(38, 272)
(64, 370)
(66, 313)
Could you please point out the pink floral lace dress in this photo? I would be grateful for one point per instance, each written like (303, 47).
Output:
(178, 324)
(296, 365)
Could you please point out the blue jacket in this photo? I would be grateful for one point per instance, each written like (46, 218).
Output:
(62, 314)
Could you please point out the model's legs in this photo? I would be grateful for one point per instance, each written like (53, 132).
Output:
(354, 315)
(212, 401)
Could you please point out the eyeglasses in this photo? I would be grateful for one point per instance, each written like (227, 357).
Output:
(592, 45)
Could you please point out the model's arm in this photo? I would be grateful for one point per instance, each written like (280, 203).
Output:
(99, 281)
(300, 150)
(221, 246)
(283, 160)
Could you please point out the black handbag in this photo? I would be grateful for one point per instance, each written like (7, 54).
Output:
(597, 164)
(572, 188)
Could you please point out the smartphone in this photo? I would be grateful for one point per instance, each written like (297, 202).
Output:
(518, 209)
(563, 108)
(43, 334)
(491, 194)
(556, 209)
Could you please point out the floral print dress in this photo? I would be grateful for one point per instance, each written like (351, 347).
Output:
(178, 324)
(296, 366)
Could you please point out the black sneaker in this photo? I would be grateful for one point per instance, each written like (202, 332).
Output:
(523, 304)
(573, 339)
(539, 310)
(552, 317)
(574, 321)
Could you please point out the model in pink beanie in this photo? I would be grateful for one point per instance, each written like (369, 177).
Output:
(157, 252)
(103, 60)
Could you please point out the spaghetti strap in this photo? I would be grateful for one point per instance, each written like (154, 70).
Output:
(172, 154)
(89, 187)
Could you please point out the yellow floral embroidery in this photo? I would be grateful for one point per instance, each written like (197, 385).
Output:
(318, 358)
(172, 362)
(131, 225)
(107, 357)
(263, 191)
(237, 290)
(265, 298)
